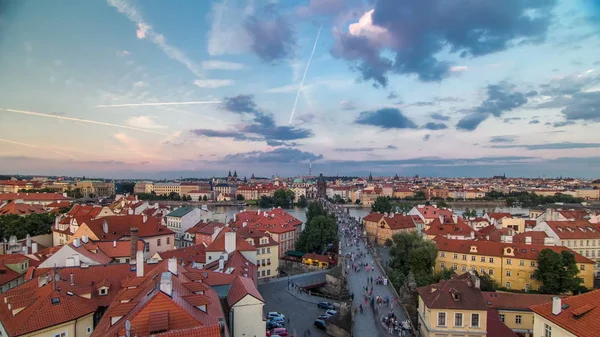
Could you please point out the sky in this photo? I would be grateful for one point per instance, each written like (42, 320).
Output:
(158, 89)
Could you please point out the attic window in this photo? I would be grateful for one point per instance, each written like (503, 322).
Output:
(103, 291)
(456, 296)
(55, 300)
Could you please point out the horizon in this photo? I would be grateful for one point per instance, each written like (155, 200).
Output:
(132, 89)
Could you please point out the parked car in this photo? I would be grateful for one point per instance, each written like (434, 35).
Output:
(278, 320)
(279, 331)
(324, 317)
(320, 324)
(325, 305)
(331, 312)
(275, 314)
(272, 325)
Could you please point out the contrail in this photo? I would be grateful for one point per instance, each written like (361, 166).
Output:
(37, 147)
(39, 114)
(156, 104)
(304, 76)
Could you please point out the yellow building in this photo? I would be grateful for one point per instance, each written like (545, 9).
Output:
(513, 309)
(91, 188)
(316, 260)
(456, 307)
(381, 227)
(588, 194)
(573, 316)
(511, 265)
(516, 224)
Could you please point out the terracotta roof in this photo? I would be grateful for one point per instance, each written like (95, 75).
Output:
(448, 227)
(580, 229)
(580, 314)
(514, 301)
(317, 257)
(122, 249)
(218, 245)
(274, 221)
(187, 255)
(241, 287)
(256, 235)
(495, 327)
(120, 226)
(573, 214)
(373, 216)
(456, 293)
(7, 274)
(498, 216)
(207, 228)
(431, 212)
(236, 264)
(201, 331)
(59, 204)
(537, 237)
(33, 196)
(21, 209)
(490, 248)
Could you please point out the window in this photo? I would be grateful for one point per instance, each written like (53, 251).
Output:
(508, 261)
(168, 240)
(88, 330)
(491, 271)
(502, 318)
(547, 330)
(508, 273)
(442, 254)
(464, 257)
(442, 319)
(531, 276)
(263, 273)
(507, 285)
(587, 242)
(103, 291)
(258, 252)
(463, 268)
(458, 319)
(455, 256)
(62, 334)
(533, 263)
(475, 320)
(582, 267)
(268, 250)
(518, 319)
(483, 270)
(158, 242)
(262, 251)
(268, 272)
(269, 260)
(473, 258)
(483, 259)
(442, 265)
(454, 267)
(491, 260)
(521, 263)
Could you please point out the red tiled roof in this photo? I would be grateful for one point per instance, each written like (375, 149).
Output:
(498, 216)
(579, 229)
(581, 317)
(122, 249)
(120, 226)
(441, 295)
(495, 327)
(7, 274)
(514, 301)
(33, 196)
(205, 228)
(537, 237)
(201, 331)
(21, 209)
(59, 204)
(573, 214)
(241, 287)
(490, 248)
(431, 212)
(256, 235)
(275, 221)
(436, 227)
(218, 245)
(373, 216)
(317, 257)
(187, 255)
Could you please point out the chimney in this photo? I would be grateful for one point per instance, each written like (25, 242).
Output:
(556, 305)
(85, 238)
(221, 263)
(25, 250)
(166, 284)
(28, 240)
(144, 218)
(234, 217)
(114, 243)
(34, 248)
(139, 264)
(454, 218)
(528, 240)
(172, 265)
(105, 227)
(76, 260)
(72, 279)
(258, 212)
(133, 248)
(77, 242)
(229, 242)
(244, 224)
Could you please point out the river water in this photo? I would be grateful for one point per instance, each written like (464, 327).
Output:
(300, 212)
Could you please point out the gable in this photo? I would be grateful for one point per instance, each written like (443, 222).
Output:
(248, 300)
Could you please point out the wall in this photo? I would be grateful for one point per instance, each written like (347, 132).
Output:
(510, 320)
(538, 328)
(465, 329)
(248, 317)
(273, 255)
(73, 328)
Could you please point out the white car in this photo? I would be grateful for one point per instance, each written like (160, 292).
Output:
(273, 314)
(331, 312)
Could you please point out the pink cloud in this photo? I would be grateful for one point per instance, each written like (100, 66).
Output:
(141, 31)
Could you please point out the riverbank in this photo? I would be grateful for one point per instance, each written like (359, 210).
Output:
(460, 203)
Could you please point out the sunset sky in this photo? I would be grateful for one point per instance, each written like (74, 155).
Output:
(164, 89)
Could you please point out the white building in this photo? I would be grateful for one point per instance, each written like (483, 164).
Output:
(182, 219)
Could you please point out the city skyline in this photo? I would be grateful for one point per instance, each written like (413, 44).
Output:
(127, 89)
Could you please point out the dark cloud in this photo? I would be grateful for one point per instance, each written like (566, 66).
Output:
(280, 155)
(348, 105)
(263, 126)
(534, 121)
(550, 146)
(426, 137)
(434, 126)
(272, 37)
(423, 103)
(386, 118)
(511, 119)
(363, 149)
(500, 98)
(596, 63)
(417, 31)
(583, 106)
(392, 95)
(439, 117)
(391, 147)
(502, 139)
(562, 123)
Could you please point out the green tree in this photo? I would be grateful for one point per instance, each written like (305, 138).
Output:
(487, 282)
(240, 197)
(20, 226)
(444, 274)
(302, 201)
(205, 198)
(382, 205)
(410, 252)
(75, 193)
(321, 230)
(403, 207)
(442, 203)
(281, 198)
(388, 242)
(557, 272)
(127, 187)
(357, 201)
(420, 195)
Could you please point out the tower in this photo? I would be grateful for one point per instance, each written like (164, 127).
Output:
(310, 169)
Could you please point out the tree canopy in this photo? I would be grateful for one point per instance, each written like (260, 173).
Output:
(320, 230)
(281, 198)
(557, 272)
(382, 205)
(410, 252)
(20, 226)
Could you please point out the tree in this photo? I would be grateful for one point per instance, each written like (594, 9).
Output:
(443, 204)
(357, 201)
(321, 229)
(487, 282)
(403, 207)
(470, 213)
(410, 252)
(444, 274)
(388, 242)
(420, 195)
(127, 187)
(382, 205)
(205, 198)
(302, 201)
(240, 197)
(20, 226)
(281, 198)
(557, 272)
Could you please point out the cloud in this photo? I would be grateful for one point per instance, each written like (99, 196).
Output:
(434, 126)
(280, 155)
(502, 139)
(145, 30)
(392, 95)
(439, 117)
(44, 148)
(458, 69)
(348, 105)
(423, 103)
(500, 98)
(364, 149)
(583, 106)
(534, 121)
(391, 147)
(271, 36)
(415, 33)
(124, 53)
(211, 84)
(144, 122)
(426, 137)
(155, 104)
(39, 114)
(550, 146)
(562, 123)
(140, 84)
(221, 65)
(321, 7)
(386, 118)
(227, 34)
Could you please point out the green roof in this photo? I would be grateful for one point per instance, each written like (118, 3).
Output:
(181, 211)
(294, 253)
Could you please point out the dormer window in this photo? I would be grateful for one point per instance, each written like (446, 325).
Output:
(103, 291)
